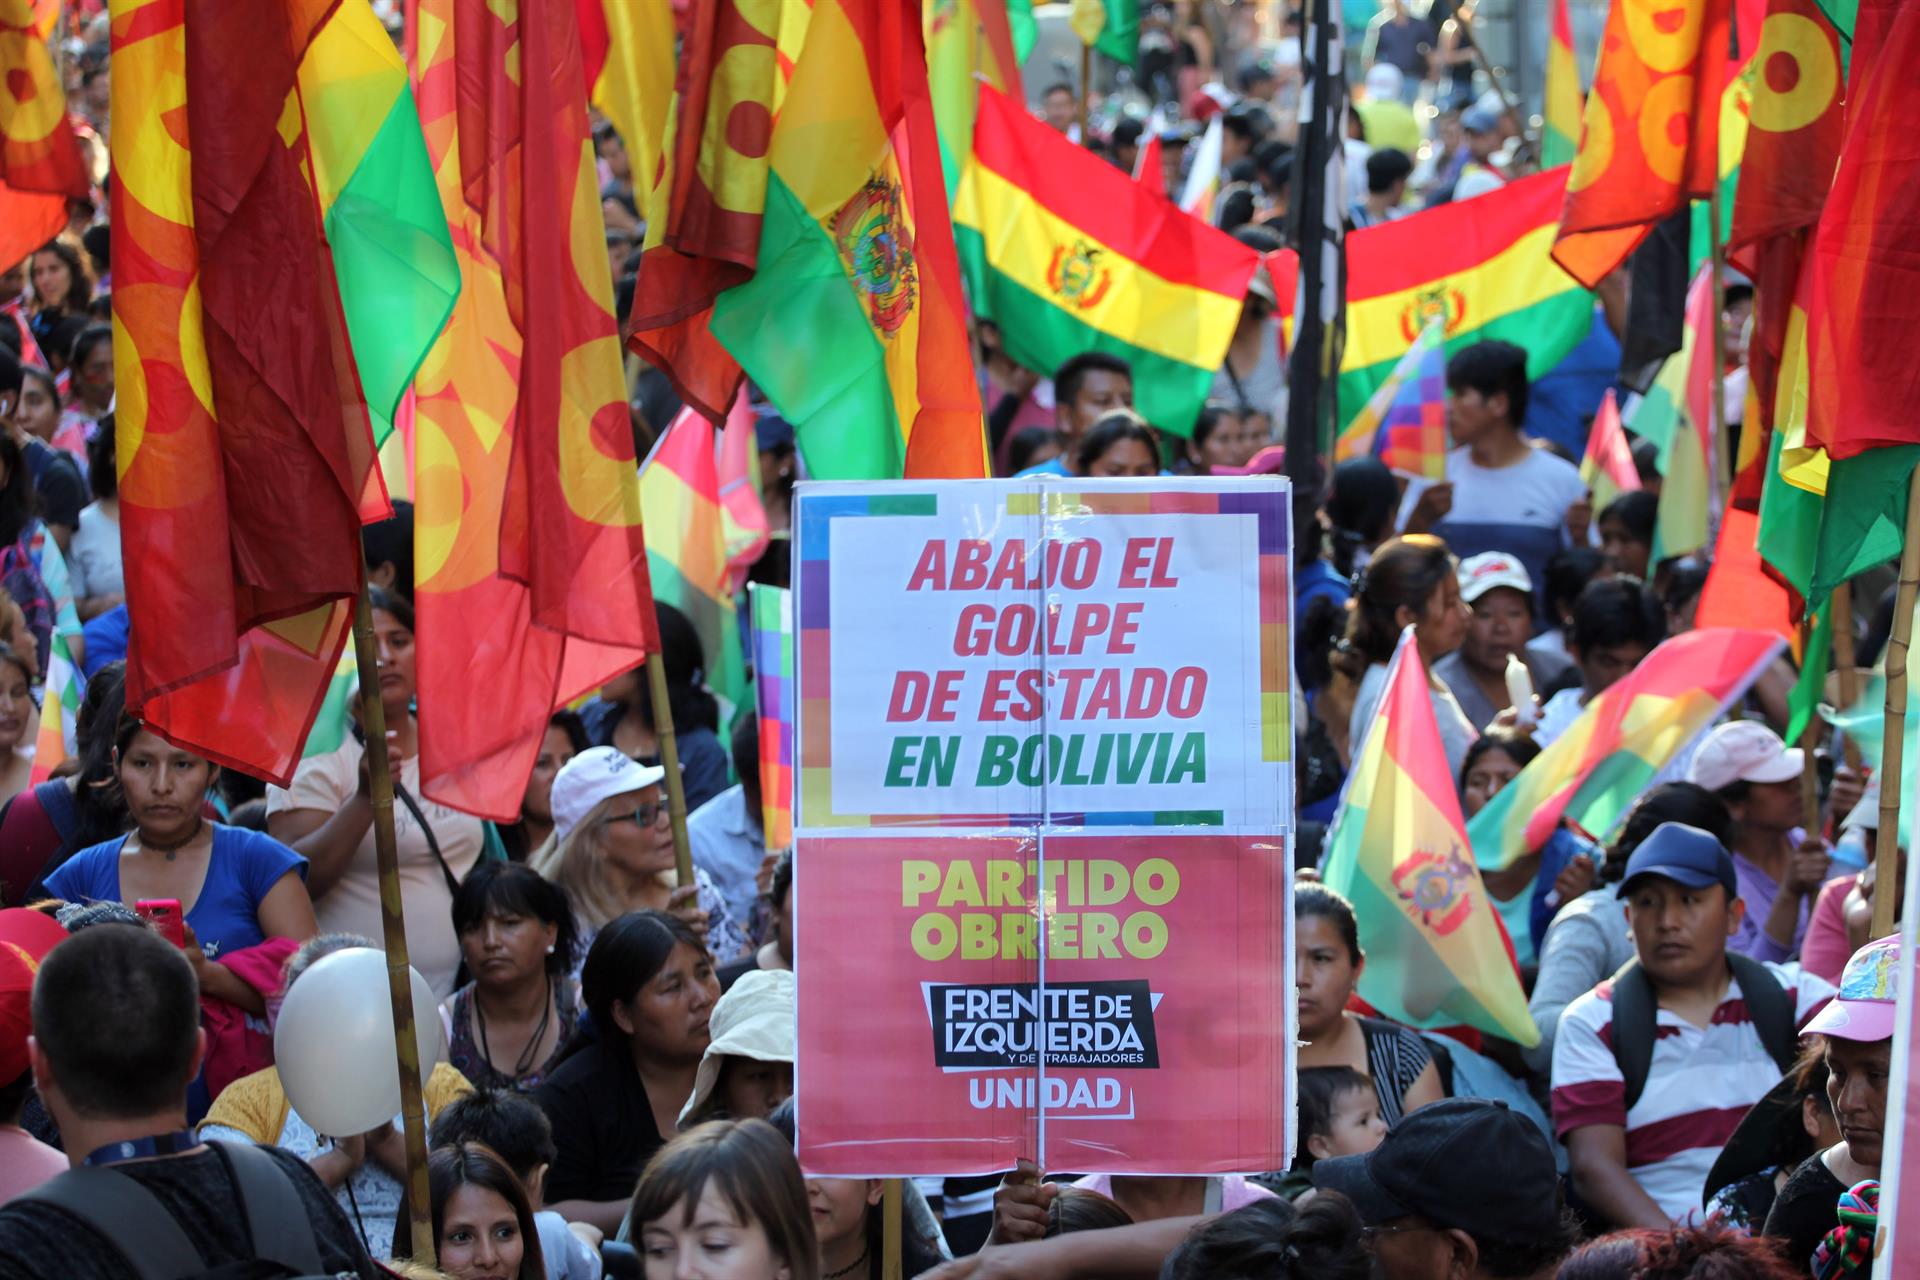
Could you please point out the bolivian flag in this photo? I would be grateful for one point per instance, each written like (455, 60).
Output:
(1437, 953)
(1068, 254)
(1482, 265)
(852, 321)
(1591, 774)
(1560, 127)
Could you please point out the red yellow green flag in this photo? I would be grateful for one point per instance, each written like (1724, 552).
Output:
(1864, 295)
(968, 44)
(1068, 254)
(1650, 133)
(704, 214)
(1607, 466)
(1560, 120)
(244, 445)
(627, 50)
(529, 563)
(687, 548)
(39, 159)
(1482, 265)
(1590, 775)
(853, 322)
(1437, 952)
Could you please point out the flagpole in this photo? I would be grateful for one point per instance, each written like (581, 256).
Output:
(1843, 658)
(890, 1209)
(393, 930)
(1717, 411)
(670, 761)
(1086, 90)
(1809, 741)
(1509, 106)
(1313, 361)
(1886, 889)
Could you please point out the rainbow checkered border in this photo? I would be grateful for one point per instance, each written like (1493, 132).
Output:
(813, 599)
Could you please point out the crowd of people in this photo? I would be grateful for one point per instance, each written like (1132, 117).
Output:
(616, 1092)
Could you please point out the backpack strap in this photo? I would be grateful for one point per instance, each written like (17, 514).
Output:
(1771, 1007)
(1635, 1018)
(277, 1221)
(127, 1215)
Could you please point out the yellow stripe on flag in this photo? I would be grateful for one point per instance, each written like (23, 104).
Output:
(1126, 300)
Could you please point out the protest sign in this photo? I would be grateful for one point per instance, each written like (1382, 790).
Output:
(1044, 791)
(1900, 1130)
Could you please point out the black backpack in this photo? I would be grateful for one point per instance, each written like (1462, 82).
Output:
(1635, 1010)
(122, 1211)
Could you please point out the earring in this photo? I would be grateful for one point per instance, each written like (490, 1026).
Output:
(549, 948)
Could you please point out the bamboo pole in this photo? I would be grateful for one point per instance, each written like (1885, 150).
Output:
(670, 760)
(1509, 105)
(1086, 90)
(1809, 743)
(1887, 887)
(1717, 411)
(890, 1210)
(393, 929)
(1843, 659)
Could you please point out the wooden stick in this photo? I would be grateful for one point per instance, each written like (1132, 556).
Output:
(393, 929)
(890, 1210)
(1086, 91)
(1809, 743)
(1717, 411)
(670, 760)
(1887, 888)
(1509, 106)
(1843, 658)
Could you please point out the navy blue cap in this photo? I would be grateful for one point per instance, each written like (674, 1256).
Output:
(1684, 854)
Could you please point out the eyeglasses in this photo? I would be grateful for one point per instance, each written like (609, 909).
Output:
(1370, 1237)
(644, 814)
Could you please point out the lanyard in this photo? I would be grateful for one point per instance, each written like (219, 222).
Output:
(159, 1144)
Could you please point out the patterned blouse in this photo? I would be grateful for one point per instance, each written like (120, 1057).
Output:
(465, 1053)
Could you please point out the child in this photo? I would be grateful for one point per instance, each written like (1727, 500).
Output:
(517, 1131)
(1339, 1116)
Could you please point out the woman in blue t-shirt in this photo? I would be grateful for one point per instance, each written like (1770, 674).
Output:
(236, 888)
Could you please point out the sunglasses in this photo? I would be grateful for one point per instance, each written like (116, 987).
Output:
(644, 815)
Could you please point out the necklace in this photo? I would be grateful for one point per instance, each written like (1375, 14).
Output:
(524, 1063)
(173, 850)
(852, 1266)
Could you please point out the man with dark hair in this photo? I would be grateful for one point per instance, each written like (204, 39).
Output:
(1616, 622)
(1244, 126)
(116, 1038)
(1654, 1068)
(1503, 492)
(1086, 389)
(1060, 108)
(1387, 174)
(777, 951)
(726, 833)
(1123, 144)
(513, 1126)
(388, 548)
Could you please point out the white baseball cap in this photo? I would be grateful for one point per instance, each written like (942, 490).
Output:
(1482, 573)
(757, 1018)
(596, 774)
(1743, 751)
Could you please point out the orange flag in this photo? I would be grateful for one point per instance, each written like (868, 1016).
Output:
(1649, 139)
(532, 581)
(39, 159)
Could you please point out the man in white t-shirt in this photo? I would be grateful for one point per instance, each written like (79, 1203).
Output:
(1503, 492)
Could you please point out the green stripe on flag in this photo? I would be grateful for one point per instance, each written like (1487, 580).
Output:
(1168, 393)
(798, 329)
(1549, 330)
(393, 260)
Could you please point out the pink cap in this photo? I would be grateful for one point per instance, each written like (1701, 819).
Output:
(1743, 751)
(1869, 996)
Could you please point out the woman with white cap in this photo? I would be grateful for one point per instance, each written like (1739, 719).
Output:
(747, 1069)
(612, 851)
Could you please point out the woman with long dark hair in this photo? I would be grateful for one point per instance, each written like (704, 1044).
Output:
(507, 1027)
(483, 1226)
(22, 553)
(1409, 581)
(564, 738)
(327, 815)
(43, 827)
(649, 990)
(62, 284)
(16, 719)
(622, 716)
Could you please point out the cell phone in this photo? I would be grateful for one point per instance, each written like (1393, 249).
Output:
(164, 915)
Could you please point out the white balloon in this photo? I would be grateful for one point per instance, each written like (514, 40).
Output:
(334, 1044)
